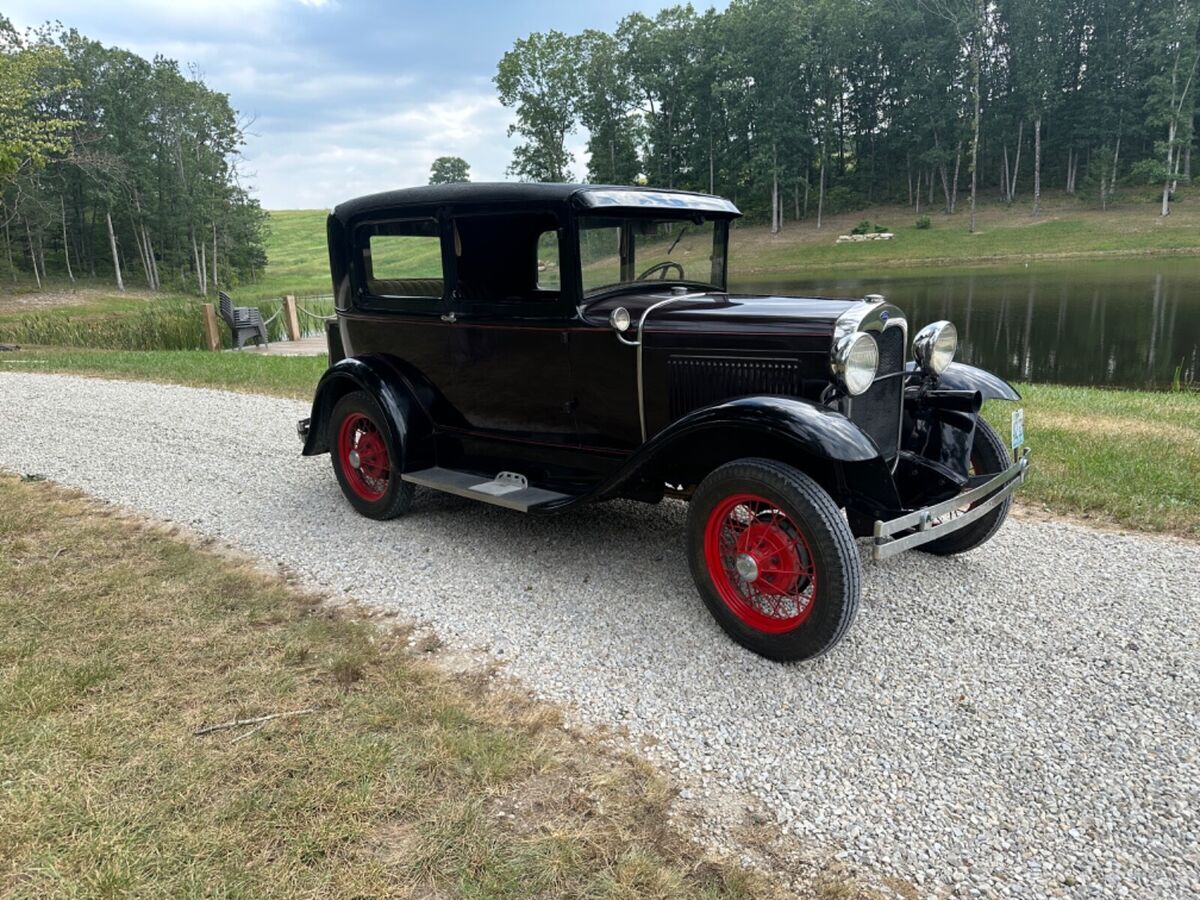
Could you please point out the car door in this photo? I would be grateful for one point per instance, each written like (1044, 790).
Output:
(507, 369)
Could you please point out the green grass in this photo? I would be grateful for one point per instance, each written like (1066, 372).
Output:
(119, 640)
(1066, 229)
(247, 372)
(1127, 458)
(126, 323)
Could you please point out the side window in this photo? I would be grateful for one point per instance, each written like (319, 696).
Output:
(403, 259)
(504, 259)
(549, 276)
(600, 253)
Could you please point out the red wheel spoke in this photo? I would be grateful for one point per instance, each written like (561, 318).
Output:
(363, 457)
(760, 563)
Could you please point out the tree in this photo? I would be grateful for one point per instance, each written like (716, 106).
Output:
(1174, 48)
(32, 132)
(129, 169)
(540, 78)
(449, 170)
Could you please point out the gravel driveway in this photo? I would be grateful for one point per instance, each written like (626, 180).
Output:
(1023, 720)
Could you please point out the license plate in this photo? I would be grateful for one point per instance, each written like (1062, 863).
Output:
(1018, 428)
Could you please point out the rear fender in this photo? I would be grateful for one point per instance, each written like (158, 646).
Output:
(407, 422)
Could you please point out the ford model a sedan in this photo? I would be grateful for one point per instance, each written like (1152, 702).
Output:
(542, 346)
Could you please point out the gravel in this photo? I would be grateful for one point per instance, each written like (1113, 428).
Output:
(1020, 721)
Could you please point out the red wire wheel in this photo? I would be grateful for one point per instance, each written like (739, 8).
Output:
(362, 452)
(760, 563)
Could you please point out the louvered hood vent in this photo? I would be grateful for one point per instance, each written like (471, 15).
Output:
(697, 381)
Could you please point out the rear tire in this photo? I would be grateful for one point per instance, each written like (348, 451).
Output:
(989, 456)
(365, 458)
(773, 559)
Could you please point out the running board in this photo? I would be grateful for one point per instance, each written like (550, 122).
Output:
(506, 489)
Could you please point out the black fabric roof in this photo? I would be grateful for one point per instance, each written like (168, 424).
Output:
(498, 192)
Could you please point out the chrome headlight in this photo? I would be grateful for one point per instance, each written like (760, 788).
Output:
(934, 346)
(854, 361)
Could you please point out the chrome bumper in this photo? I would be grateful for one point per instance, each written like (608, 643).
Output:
(922, 520)
(302, 428)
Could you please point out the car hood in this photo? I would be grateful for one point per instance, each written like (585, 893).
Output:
(749, 313)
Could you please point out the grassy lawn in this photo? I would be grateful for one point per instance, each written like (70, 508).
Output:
(1066, 229)
(118, 641)
(247, 372)
(1127, 458)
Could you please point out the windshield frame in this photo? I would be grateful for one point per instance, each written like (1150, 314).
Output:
(720, 223)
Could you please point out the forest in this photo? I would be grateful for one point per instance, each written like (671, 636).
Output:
(799, 108)
(118, 165)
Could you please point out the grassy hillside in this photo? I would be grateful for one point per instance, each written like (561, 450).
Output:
(1067, 228)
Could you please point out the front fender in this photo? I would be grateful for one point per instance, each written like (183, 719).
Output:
(407, 422)
(823, 442)
(961, 377)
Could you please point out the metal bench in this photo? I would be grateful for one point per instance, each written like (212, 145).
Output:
(244, 321)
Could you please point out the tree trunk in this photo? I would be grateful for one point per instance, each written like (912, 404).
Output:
(1004, 176)
(32, 256)
(954, 185)
(66, 244)
(821, 191)
(1037, 166)
(774, 190)
(215, 282)
(1112, 182)
(200, 286)
(1166, 194)
(155, 284)
(12, 269)
(976, 53)
(204, 266)
(908, 169)
(712, 166)
(1012, 187)
(796, 198)
(112, 243)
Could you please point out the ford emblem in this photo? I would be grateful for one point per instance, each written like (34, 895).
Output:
(883, 316)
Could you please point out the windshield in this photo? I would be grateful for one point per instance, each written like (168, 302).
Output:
(622, 250)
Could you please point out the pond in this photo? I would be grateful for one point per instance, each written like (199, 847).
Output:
(1118, 323)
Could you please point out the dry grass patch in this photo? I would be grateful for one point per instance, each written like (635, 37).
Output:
(119, 640)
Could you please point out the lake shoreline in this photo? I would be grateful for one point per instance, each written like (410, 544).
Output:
(950, 265)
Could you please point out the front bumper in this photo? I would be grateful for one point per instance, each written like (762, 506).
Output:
(987, 496)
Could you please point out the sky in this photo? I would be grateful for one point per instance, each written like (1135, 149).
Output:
(344, 97)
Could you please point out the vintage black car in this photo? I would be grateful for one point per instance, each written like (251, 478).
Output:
(539, 346)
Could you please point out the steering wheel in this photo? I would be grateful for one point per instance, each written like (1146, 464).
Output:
(664, 268)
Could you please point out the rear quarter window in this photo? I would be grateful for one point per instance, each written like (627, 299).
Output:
(403, 259)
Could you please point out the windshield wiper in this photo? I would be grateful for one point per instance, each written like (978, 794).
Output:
(677, 240)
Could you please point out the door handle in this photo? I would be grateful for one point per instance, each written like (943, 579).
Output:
(449, 317)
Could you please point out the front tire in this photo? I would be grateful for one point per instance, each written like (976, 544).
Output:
(773, 559)
(989, 456)
(365, 458)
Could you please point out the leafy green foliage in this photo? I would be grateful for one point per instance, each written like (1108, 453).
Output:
(924, 222)
(795, 107)
(540, 77)
(91, 135)
(449, 170)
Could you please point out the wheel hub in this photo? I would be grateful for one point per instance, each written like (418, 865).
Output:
(355, 459)
(747, 567)
(767, 557)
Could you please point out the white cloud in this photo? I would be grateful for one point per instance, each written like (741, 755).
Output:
(364, 151)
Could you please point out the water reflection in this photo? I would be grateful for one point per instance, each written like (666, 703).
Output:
(1127, 323)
